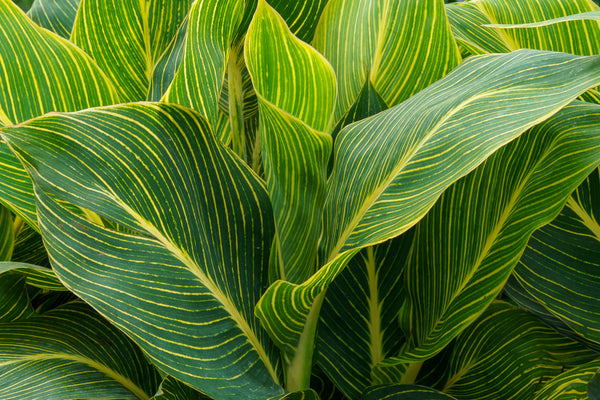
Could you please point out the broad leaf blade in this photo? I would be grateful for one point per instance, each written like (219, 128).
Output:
(57, 16)
(172, 389)
(508, 339)
(185, 288)
(572, 384)
(14, 300)
(40, 277)
(470, 241)
(296, 91)
(64, 78)
(399, 62)
(403, 392)
(562, 260)
(7, 234)
(127, 38)
(68, 353)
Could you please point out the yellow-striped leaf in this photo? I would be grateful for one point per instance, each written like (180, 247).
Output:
(359, 319)
(28, 247)
(173, 389)
(572, 384)
(71, 353)
(402, 47)
(14, 299)
(296, 93)
(211, 29)
(468, 244)
(57, 16)
(509, 344)
(185, 287)
(7, 234)
(403, 392)
(39, 73)
(301, 16)
(562, 261)
(40, 277)
(127, 37)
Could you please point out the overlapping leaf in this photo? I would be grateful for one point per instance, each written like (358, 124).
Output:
(57, 16)
(7, 235)
(35, 275)
(39, 73)
(560, 265)
(391, 168)
(14, 299)
(490, 347)
(359, 326)
(69, 353)
(127, 37)
(571, 385)
(468, 244)
(402, 47)
(296, 93)
(172, 389)
(403, 392)
(184, 289)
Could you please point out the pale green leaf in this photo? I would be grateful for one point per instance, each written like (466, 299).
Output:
(511, 345)
(560, 266)
(39, 72)
(470, 241)
(296, 93)
(71, 353)
(184, 288)
(127, 37)
(572, 384)
(57, 16)
(402, 47)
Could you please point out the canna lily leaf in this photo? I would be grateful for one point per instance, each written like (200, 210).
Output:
(7, 236)
(40, 277)
(358, 326)
(572, 384)
(127, 38)
(301, 16)
(467, 245)
(57, 16)
(172, 389)
(195, 271)
(211, 28)
(399, 62)
(65, 78)
(69, 353)
(14, 300)
(536, 353)
(390, 170)
(403, 392)
(590, 15)
(28, 246)
(296, 93)
(559, 268)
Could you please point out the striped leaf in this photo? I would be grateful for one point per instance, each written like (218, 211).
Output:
(70, 353)
(562, 260)
(40, 277)
(127, 37)
(14, 299)
(185, 287)
(29, 247)
(301, 16)
(7, 234)
(391, 168)
(57, 16)
(296, 93)
(403, 392)
(172, 389)
(64, 78)
(572, 384)
(470, 241)
(511, 345)
(198, 81)
(359, 326)
(399, 62)
(498, 26)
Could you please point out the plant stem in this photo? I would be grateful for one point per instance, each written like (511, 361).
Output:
(236, 102)
(411, 373)
(300, 368)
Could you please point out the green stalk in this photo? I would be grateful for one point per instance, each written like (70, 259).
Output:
(411, 373)
(299, 369)
(236, 102)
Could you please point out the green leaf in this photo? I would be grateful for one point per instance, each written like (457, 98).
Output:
(403, 392)
(40, 277)
(68, 353)
(29, 247)
(7, 235)
(127, 38)
(172, 389)
(590, 15)
(64, 79)
(562, 260)
(185, 287)
(211, 28)
(593, 389)
(470, 241)
(511, 345)
(390, 169)
(296, 93)
(57, 16)
(302, 395)
(14, 299)
(301, 16)
(571, 385)
(399, 62)
(358, 326)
